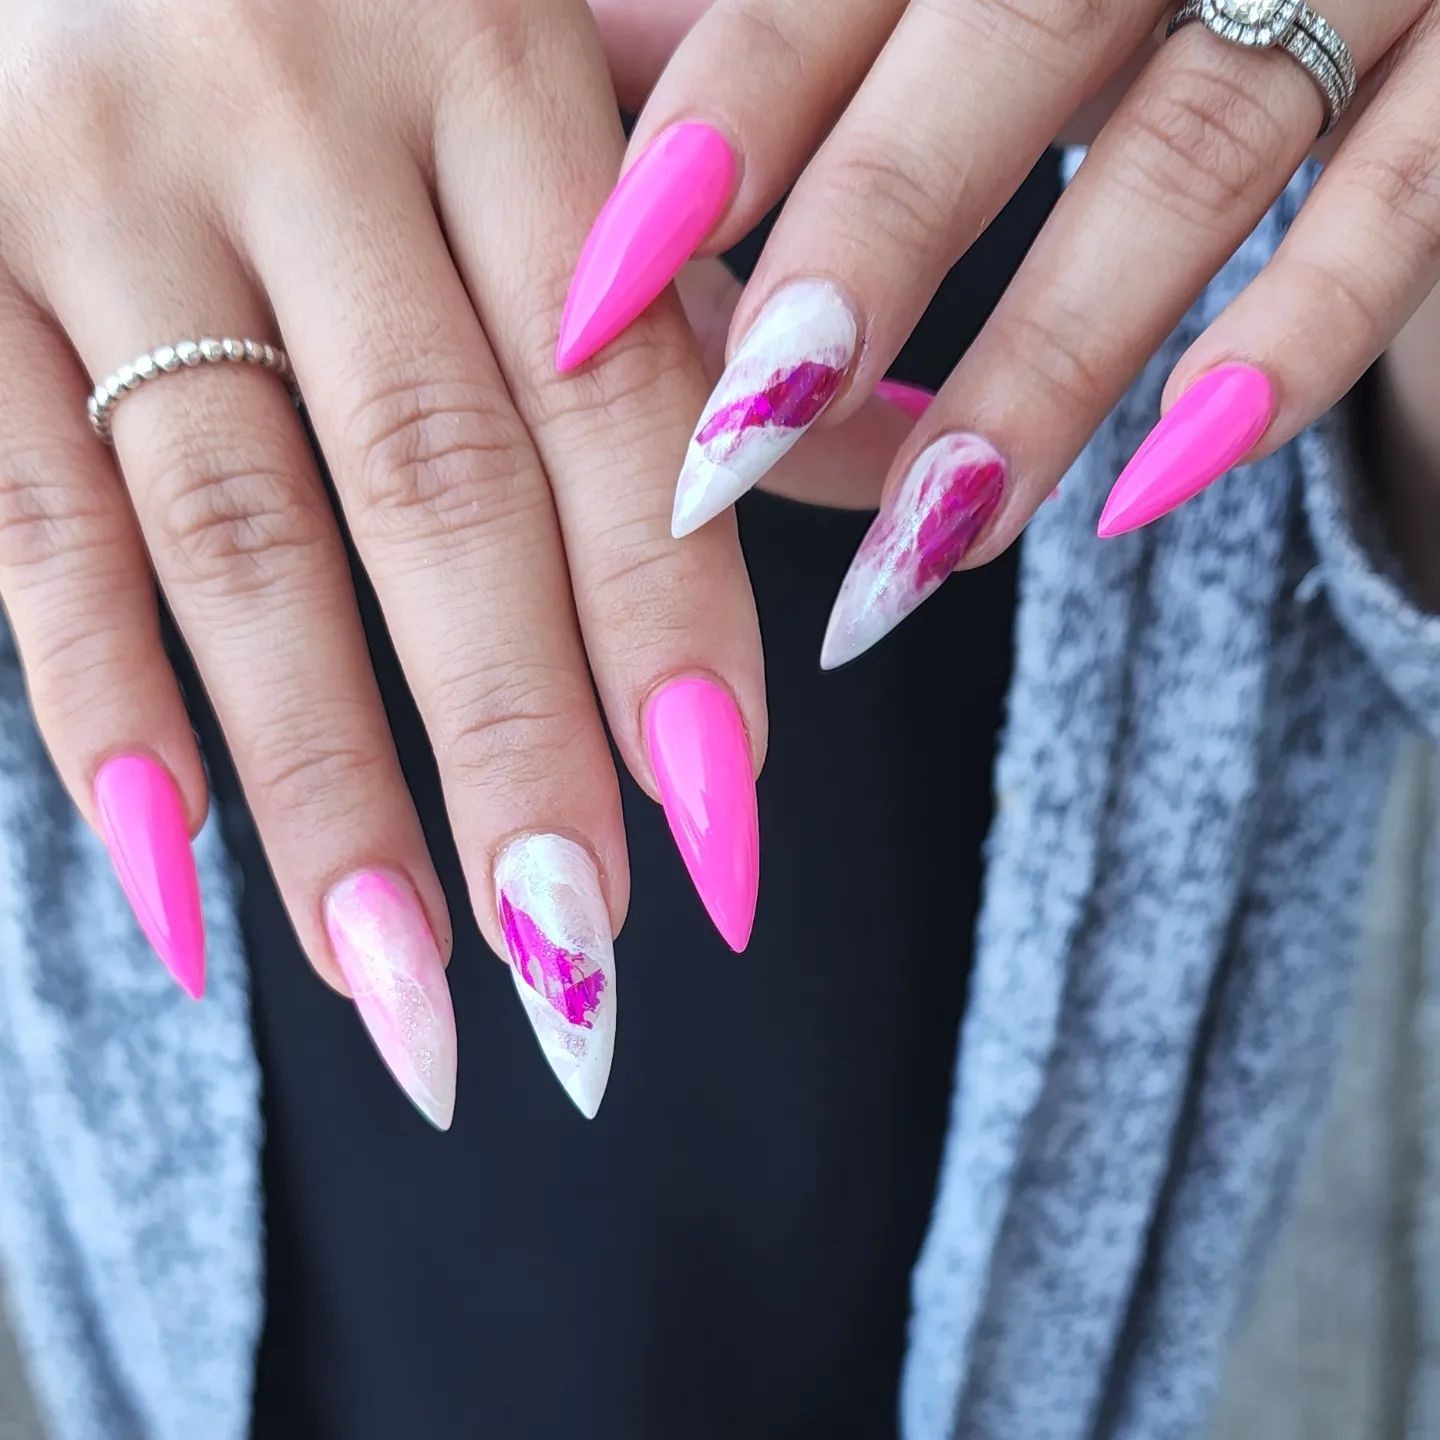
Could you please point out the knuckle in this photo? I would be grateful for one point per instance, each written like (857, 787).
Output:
(1201, 145)
(47, 516)
(762, 29)
(907, 195)
(1059, 354)
(435, 458)
(238, 521)
(1405, 183)
(626, 393)
(1051, 27)
(515, 721)
(302, 765)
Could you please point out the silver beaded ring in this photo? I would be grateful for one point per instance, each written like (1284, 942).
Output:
(185, 354)
(1289, 25)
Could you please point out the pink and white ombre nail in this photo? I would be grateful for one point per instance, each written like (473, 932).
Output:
(389, 958)
(789, 368)
(923, 531)
(562, 956)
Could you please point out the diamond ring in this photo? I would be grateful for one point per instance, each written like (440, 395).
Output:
(1289, 25)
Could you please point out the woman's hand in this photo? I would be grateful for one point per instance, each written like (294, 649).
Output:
(913, 123)
(399, 192)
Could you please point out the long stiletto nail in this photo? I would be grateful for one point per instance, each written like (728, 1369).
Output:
(389, 958)
(923, 531)
(789, 368)
(701, 757)
(1210, 428)
(658, 215)
(142, 820)
(914, 400)
(557, 929)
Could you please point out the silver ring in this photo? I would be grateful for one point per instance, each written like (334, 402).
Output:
(184, 354)
(1289, 25)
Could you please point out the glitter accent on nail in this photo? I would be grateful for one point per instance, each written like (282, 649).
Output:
(392, 965)
(788, 369)
(924, 530)
(557, 930)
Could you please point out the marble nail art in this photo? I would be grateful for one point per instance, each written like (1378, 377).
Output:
(391, 963)
(789, 368)
(557, 929)
(923, 531)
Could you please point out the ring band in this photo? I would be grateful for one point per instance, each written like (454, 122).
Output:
(185, 354)
(1289, 25)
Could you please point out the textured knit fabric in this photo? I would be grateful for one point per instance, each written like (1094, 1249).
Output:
(1200, 730)
(1202, 723)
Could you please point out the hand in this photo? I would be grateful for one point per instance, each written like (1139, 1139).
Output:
(399, 192)
(913, 123)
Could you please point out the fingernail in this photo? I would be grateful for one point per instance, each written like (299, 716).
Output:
(389, 958)
(914, 400)
(665, 205)
(923, 531)
(701, 758)
(557, 929)
(142, 820)
(1212, 426)
(782, 377)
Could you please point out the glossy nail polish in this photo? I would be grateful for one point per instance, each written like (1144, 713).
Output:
(654, 221)
(142, 820)
(389, 958)
(1209, 429)
(700, 754)
(557, 930)
(788, 369)
(923, 531)
(914, 400)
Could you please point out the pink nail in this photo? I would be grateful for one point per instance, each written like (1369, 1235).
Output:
(914, 400)
(142, 819)
(658, 215)
(1212, 426)
(389, 958)
(924, 530)
(701, 758)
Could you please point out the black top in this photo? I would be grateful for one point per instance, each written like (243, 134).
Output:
(726, 1250)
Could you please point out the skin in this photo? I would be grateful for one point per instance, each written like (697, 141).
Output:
(1193, 139)
(325, 173)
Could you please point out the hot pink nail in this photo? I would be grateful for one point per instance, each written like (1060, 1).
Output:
(142, 819)
(914, 400)
(923, 531)
(389, 958)
(701, 758)
(1212, 426)
(658, 215)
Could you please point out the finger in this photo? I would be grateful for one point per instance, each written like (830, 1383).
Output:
(250, 558)
(81, 603)
(639, 37)
(1360, 257)
(447, 503)
(670, 630)
(843, 465)
(1181, 174)
(904, 184)
(706, 160)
